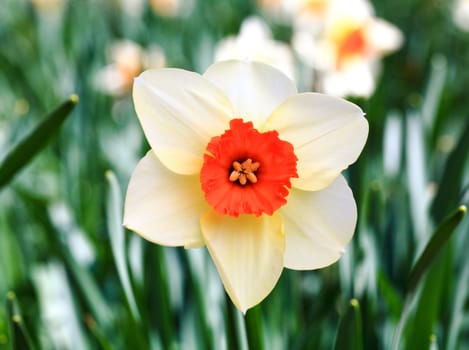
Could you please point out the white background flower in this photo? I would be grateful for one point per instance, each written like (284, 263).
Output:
(347, 49)
(255, 42)
(127, 59)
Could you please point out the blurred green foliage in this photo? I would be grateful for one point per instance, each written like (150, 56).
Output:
(70, 278)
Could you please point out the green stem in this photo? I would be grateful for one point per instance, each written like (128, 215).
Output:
(254, 333)
(197, 287)
(163, 300)
(231, 325)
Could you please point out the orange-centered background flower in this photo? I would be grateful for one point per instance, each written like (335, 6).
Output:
(346, 48)
(242, 163)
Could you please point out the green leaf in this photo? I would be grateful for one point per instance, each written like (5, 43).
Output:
(435, 87)
(20, 335)
(433, 247)
(424, 262)
(457, 316)
(349, 335)
(35, 141)
(390, 296)
(82, 277)
(450, 186)
(5, 324)
(117, 238)
(429, 304)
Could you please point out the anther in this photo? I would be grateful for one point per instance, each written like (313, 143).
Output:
(244, 171)
(234, 175)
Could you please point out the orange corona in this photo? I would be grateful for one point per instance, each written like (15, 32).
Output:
(246, 171)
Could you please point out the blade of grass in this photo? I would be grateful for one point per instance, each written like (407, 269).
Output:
(7, 340)
(117, 238)
(433, 93)
(433, 247)
(457, 316)
(20, 336)
(416, 173)
(96, 331)
(390, 296)
(450, 186)
(80, 275)
(12, 267)
(35, 141)
(349, 335)
(428, 303)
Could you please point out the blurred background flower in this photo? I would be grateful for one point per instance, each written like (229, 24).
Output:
(128, 59)
(49, 7)
(346, 50)
(255, 42)
(132, 8)
(461, 14)
(172, 8)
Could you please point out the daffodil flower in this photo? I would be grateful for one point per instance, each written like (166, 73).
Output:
(347, 50)
(255, 42)
(128, 60)
(242, 163)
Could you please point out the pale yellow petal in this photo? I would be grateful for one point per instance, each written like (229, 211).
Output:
(180, 112)
(254, 89)
(164, 207)
(327, 133)
(318, 225)
(248, 253)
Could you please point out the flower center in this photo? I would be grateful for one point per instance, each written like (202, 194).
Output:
(246, 171)
(352, 44)
(314, 7)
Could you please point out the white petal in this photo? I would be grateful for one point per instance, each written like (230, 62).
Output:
(327, 133)
(248, 252)
(254, 28)
(306, 47)
(355, 11)
(356, 79)
(164, 207)
(318, 225)
(254, 89)
(383, 37)
(180, 112)
(255, 43)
